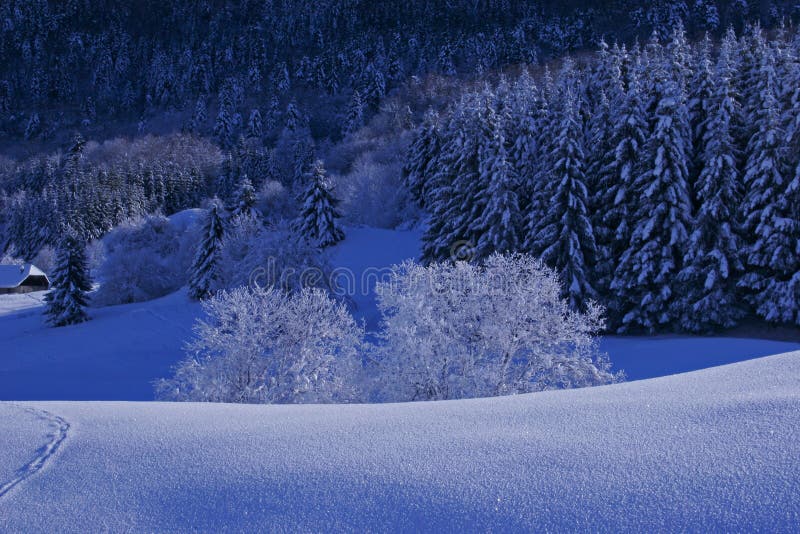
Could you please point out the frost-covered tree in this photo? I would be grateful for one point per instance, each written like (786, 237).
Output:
(244, 205)
(456, 330)
(34, 126)
(420, 164)
(708, 298)
(202, 274)
(355, 113)
(70, 285)
(451, 187)
(565, 240)
(265, 346)
(199, 116)
(501, 223)
(255, 125)
(771, 214)
(644, 281)
(224, 123)
(700, 104)
(613, 195)
(318, 216)
(294, 118)
(145, 259)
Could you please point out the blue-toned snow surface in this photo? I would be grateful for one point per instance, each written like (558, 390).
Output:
(710, 451)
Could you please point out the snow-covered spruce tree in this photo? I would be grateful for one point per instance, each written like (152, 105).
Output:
(540, 189)
(566, 240)
(70, 285)
(199, 116)
(456, 330)
(265, 346)
(771, 215)
(355, 113)
(644, 281)
(318, 216)
(244, 205)
(223, 125)
(203, 271)
(700, 104)
(421, 158)
(501, 222)
(255, 125)
(524, 151)
(708, 298)
(452, 186)
(612, 190)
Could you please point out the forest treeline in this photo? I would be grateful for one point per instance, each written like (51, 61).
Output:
(661, 180)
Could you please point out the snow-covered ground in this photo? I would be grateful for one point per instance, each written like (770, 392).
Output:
(712, 450)
(115, 356)
(123, 349)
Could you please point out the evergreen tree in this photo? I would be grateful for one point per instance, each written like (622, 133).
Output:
(644, 280)
(355, 113)
(255, 126)
(702, 89)
(34, 126)
(712, 265)
(612, 186)
(501, 223)
(421, 158)
(245, 202)
(566, 240)
(70, 285)
(294, 119)
(319, 214)
(771, 214)
(204, 268)
(224, 124)
(449, 201)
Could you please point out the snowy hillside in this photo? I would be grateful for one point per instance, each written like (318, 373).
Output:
(711, 450)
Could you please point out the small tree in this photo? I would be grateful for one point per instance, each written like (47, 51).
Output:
(317, 221)
(245, 201)
(203, 271)
(70, 285)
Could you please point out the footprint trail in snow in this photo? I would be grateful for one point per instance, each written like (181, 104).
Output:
(58, 433)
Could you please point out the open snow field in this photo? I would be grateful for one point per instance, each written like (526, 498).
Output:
(712, 450)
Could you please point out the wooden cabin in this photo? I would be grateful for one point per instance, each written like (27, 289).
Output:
(22, 279)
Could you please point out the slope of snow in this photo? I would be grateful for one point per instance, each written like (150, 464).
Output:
(115, 356)
(364, 258)
(648, 357)
(714, 450)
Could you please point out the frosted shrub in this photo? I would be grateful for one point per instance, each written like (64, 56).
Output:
(461, 330)
(145, 259)
(265, 346)
(270, 256)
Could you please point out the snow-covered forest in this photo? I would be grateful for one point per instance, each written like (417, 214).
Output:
(662, 180)
(409, 265)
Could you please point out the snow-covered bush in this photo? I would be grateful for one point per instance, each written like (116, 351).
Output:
(265, 346)
(276, 255)
(461, 330)
(145, 259)
(373, 194)
(276, 202)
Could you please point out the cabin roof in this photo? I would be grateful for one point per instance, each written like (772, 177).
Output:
(12, 276)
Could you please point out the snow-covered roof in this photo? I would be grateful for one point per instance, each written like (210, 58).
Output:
(12, 276)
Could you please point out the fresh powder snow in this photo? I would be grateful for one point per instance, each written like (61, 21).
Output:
(712, 450)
